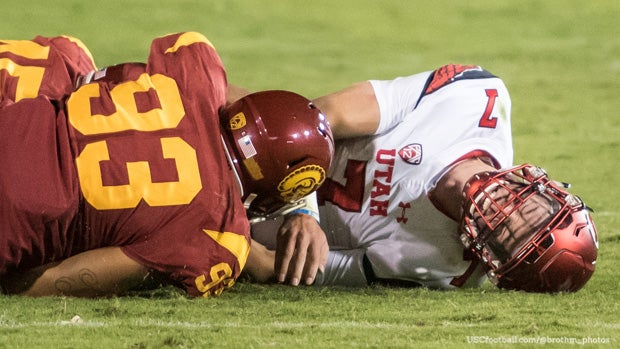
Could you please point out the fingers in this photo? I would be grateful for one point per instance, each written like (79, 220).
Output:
(298, 262)
(301, 251)
(315, 263)
(291, 253)
(285, 249)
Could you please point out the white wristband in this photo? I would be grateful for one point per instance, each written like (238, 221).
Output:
(309, 206)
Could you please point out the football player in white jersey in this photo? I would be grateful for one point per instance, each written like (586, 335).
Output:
(422, 191)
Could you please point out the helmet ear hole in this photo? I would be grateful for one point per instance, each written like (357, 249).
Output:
(322, 131)
(295, 162)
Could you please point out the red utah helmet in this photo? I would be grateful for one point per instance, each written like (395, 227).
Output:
(528, 231)
(280, 147)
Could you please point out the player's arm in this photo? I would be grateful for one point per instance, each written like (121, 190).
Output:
(259, 265)
(351, 112)
(302, 248)
(295, 252)
(345, 268)
(234, 92)
(101, 272)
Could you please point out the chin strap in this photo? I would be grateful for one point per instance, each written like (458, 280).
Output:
(279, 212)
(459, 281)
(309, 206)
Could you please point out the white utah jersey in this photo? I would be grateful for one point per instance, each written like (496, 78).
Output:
(376, 197)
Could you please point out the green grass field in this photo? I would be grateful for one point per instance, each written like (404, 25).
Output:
(559, 58)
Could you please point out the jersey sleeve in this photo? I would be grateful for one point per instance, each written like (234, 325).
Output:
(344, 268)
(203, 262)
(38, 199)
(397, 98)
(42, 66)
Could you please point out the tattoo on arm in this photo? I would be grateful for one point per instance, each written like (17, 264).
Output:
(85, 280)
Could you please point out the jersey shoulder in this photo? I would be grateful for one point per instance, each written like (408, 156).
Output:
(450, 73)
(46, 66)
(192, 60)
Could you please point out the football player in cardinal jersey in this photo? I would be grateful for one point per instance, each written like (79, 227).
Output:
(423, 192)
(41, 67)
(143, 170)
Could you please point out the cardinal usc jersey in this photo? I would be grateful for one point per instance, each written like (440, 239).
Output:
(42, 66)
(148, 171)
(38, 195)
(376, 197)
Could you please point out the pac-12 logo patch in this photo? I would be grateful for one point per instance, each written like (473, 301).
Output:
(411, 153)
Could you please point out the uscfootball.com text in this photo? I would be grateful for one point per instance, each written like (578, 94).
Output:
(536, 340)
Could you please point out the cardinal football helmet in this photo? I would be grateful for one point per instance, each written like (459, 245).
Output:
(280, 147)
(528, 231)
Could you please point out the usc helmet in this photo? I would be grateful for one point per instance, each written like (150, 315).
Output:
(280, 147)
(552, 252)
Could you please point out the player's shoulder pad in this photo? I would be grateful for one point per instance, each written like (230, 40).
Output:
(173, 42)
(77, 42)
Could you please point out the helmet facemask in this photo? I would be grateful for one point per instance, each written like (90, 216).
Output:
(512, 218)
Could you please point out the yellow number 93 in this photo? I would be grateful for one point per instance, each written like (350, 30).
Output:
(127, 117)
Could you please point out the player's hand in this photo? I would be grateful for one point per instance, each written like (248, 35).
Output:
(301, 250)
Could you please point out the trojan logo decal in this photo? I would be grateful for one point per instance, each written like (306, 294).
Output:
(411, 154)
(302, 182)
(237, 121)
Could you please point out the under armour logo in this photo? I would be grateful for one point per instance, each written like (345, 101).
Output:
(403, 207)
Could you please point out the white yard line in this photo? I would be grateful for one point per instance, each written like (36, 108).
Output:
(275, 325)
